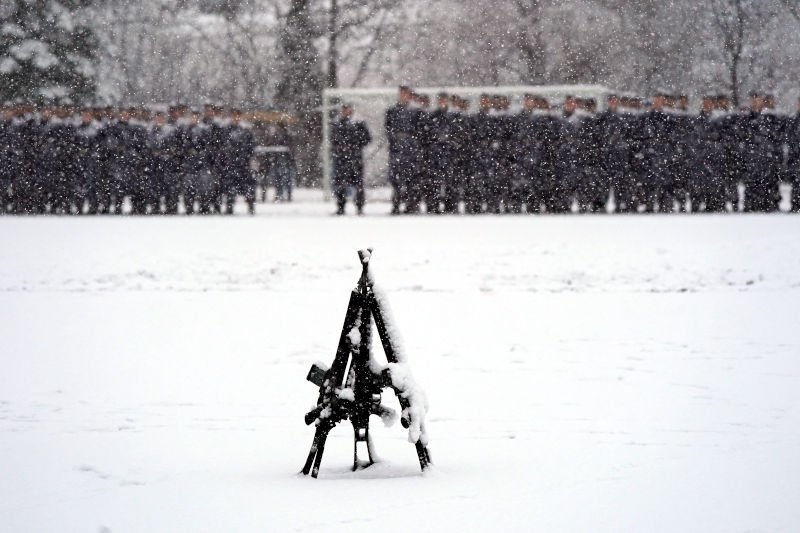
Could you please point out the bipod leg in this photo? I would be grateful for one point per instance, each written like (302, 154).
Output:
(312, 453)
(391, 357)
(369, 448)
(315, 454)
(423, 455)
(318, 459)
(355, 449)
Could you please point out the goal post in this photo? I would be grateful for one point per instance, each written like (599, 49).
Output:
(370, 106)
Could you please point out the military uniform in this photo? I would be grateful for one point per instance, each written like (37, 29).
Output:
(479, 188)
(547, 186)
(526, 185)
(734, 163)
(762, 146)
(441, 160)
(418, 175)
(613, 156)
(399, 125)
(461, 162)
(238, 153)
(570, 159)
(198, 181)
(90, 163)
(175, 141)
(592, 184)
(9, 156)
(681, 166)
(348, 140)
(793, 160)
(506, 191)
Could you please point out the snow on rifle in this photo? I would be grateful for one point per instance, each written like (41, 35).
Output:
(351, 388)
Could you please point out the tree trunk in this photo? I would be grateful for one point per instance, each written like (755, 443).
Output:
(333, 53)
(300, 90)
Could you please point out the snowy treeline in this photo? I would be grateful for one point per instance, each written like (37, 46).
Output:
(46, 52)
(275, 52)
(241, 51)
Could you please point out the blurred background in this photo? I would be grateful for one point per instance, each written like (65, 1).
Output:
(280, 54)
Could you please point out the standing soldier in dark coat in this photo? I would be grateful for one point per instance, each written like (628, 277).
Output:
(725, 156)
(238, 153)
(463, 160)
(195, 171)
(90, 159)
(776, 127)
(569, 176)
(640, 158)
(504, 155)
(632, 189)
(472, 161)
(418, 178)
(763, 148)
(62, 161)
(612, 151)
(733, 138)
(348, 139)
(283, 164)
(680, 167)
(224, 155)
(727, 125)
(528, 146)
(30, 186)
(215, 133)
(158, 133)
(48, 179)
(399, 132)
(477, 188)
(102, 192)
(137, 157)
(118, 161)
(752, 139)
(549, 138)
(174, 142)
(657, 133)
(793, 161)
(441, 155)
(701, 156)
(593, 186)
(8, 155)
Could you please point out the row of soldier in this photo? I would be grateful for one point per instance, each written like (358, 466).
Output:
(66, 161)
(653, 156)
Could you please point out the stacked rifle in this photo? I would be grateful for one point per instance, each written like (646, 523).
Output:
(351, 388)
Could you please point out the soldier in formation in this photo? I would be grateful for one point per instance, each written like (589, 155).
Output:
(348, 139)
(61, 160)
(634, 156)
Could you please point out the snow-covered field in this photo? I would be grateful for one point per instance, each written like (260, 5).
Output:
(585, 373)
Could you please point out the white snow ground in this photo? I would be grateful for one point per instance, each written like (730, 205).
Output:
(585, 373)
